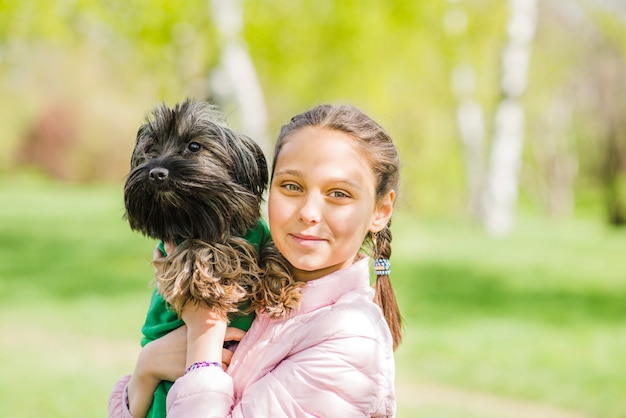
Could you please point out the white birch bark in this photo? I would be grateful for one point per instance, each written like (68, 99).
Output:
(234, 81)
(501, 192)
(469, 112)
(470, 122)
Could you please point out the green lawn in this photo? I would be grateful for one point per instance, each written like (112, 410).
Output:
(536, 320)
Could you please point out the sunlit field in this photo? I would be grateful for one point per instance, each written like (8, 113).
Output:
(531, 325)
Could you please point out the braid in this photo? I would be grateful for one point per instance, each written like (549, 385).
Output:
(382, 247)
(384, 295)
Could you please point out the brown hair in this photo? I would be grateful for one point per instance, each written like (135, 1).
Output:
(378, 148)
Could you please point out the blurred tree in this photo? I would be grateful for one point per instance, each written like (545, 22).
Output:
(49, 143)
(502, 183)
(469, 111)
(609, 81)
(386, 57)
(591, 105)
(557, 153)
(572, 102)
(234, 82)
(493, 187)
(610, 66)
(111, 61)
(553, 165)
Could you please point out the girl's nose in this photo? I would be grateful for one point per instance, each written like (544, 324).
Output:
(310, 212)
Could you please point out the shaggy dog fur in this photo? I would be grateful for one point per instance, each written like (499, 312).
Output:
(195, 181)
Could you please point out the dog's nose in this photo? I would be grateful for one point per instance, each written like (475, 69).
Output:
(159, 174)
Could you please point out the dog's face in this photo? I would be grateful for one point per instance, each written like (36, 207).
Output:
(193, 177)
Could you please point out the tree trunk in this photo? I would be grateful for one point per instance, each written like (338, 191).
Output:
(555, 160)
(234, 83)
(500, 197)
(469, 113)
(472, 132)
(610, 87)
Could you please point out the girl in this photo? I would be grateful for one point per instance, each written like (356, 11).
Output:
(333, 187)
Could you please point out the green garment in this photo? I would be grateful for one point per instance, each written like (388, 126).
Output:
(160, 319)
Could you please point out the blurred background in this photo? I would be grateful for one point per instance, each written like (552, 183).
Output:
(509, 236)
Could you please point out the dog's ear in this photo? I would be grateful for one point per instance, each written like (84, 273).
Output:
(138, 153)
(250, 165)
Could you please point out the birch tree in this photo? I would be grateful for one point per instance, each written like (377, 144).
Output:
(234, 82)
(508, 140)
(469, 112)
(493, 184)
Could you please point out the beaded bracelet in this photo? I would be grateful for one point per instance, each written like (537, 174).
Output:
(202, 364)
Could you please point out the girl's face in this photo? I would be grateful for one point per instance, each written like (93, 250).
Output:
(322, 201)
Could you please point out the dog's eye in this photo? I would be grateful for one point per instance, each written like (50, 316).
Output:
(194, 147)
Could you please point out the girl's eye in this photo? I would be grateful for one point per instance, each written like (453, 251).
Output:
(194, 147)
(292, 187)
(339, 194)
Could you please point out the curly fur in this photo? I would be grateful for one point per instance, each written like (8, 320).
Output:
(277, 294)
(196, 181)
(220, 274)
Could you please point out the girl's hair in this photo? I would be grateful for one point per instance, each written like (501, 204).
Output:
(378, 148)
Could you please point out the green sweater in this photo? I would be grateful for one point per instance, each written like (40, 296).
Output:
(160, 319)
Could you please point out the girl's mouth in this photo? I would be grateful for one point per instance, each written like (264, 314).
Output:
(305, 239)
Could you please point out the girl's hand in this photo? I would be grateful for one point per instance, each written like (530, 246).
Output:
(161, 359)
(165, 356)
(233, 337)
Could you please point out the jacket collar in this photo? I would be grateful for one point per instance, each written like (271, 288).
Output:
(327, 290)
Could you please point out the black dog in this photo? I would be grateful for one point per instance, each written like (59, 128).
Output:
(195, 181)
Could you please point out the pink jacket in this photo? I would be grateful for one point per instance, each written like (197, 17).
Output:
(333, 357)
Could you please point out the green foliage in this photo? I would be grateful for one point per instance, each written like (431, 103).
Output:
(113, 60)
(534, 318)
(390, 58)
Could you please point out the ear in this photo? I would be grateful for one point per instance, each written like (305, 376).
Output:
(250, 167)
(383, 211)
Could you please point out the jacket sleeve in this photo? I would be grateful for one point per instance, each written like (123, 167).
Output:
(308, 384)
(344, 370)
(202, 393)
(117, 400)
(344, 378)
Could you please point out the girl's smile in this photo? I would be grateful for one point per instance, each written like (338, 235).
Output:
(306, 239)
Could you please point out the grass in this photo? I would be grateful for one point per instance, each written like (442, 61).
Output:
(537, 317)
